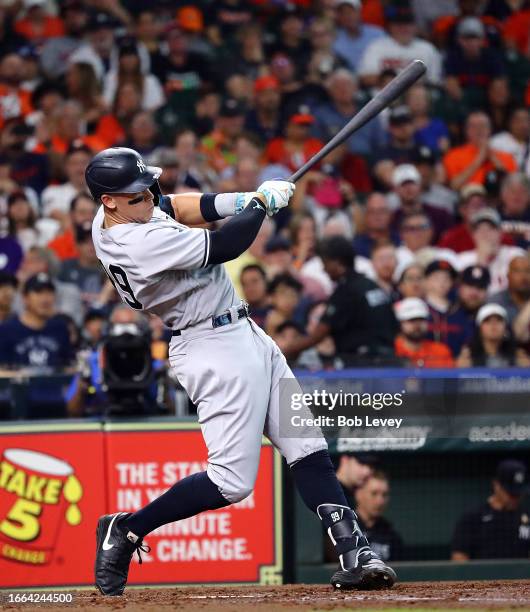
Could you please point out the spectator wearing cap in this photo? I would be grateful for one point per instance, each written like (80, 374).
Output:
(359, 314)
(434, 192)
(35, 337)
(407, 186)
(353, 36)
(472, 291)
(416, 235)
(264, 118)
(129, 69)
(401, 147)
(474, 160)
(56, 51)
(488, 251)
(459, 238)
(375, 228)
(253, 279)
(219, 145)
(401, 47)
(410, 280)
(82, 211)
(183, 73)
(38, 260)
(492, 345)
(515, 140)
(430, 131)
(470, 65)
(411, 343)
(191, 20)
(297, 145)
(83, 271)
(15, 101)
(333, 115)
(99, 49)
(515, 208)
(499, 528)
(37, 25)
(517, 294)
(440, 278)
(8, 289)
(56, 199)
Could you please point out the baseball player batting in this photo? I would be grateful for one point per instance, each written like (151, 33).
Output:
(161, 264)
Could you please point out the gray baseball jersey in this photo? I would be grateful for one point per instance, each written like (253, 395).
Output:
(231, 373)
(160, 267)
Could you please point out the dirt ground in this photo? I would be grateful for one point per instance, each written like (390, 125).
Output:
(419, 596)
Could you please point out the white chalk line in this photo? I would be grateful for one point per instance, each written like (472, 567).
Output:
(371, 597)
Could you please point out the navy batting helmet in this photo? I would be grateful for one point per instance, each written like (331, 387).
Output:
(121, 170)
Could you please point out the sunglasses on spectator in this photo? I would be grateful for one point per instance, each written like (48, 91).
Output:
(416, 228)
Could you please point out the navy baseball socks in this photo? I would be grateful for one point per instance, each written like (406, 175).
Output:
(119, 536)
(360, 567)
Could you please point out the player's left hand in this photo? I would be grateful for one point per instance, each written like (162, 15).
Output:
(277, 194)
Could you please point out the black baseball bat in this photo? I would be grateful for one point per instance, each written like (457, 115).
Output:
(381, 100)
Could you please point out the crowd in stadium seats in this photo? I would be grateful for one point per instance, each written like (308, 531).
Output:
(406, 245)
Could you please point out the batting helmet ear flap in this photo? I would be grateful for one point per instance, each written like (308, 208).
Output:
(156, 191)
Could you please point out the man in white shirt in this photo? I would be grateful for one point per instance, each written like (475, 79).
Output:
(488, 251)
(398, 50)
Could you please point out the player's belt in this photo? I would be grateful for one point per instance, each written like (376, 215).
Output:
(230, 316)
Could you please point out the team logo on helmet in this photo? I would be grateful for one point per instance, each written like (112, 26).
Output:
(141, 165)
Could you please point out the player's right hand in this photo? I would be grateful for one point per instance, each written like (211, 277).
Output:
(277, 194)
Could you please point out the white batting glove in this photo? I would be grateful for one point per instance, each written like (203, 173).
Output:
(277, 194)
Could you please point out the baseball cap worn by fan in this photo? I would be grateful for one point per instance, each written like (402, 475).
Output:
(440, 264)
(302, 116)
(266, 82)
(411, 308)
(404, 173)
(470, 27)
(512, 475)
(38, 282)
(490, 215)
(399, 115)
(472, 189)
(476, 276)
(231, 107)
(489, 310)
(356, 4)
(190, 19)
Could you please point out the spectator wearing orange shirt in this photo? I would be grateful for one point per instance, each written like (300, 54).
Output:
(297, 146)
(411, 343)
(471, 162)
(82, 211)
(36, 26)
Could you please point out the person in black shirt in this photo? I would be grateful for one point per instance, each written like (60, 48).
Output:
(359, 315)
(372, 498)
(500, 528)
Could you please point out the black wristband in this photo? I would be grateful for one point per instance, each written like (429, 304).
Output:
(165, 206)
(208, 210)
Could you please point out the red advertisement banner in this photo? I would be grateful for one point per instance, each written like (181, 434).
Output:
(55, 485)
